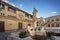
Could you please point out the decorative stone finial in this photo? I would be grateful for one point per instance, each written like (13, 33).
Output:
(35, 10)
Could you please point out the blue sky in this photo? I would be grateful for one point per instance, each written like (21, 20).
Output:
(45, 8)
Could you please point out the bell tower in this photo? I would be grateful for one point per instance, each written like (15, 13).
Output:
(34, 17)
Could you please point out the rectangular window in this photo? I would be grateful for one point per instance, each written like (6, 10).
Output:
(57, 19)
(29, 24)
(11, 10)
(0, 2)
(3, 6)
(26, 15)
(0, 6)
(31, 16)
(48, 25)
(20, 25)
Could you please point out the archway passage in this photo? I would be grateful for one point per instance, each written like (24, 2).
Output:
(1, 26)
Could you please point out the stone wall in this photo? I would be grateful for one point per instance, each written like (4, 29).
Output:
(11, 19)
(9, 24)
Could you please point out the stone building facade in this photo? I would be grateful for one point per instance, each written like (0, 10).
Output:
(12, 18)
(53, 21)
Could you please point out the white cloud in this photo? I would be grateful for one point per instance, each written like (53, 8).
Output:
(21, 5)
(53, 12)
(8, 2)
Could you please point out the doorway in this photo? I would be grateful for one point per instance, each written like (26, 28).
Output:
(1, 26)
(20, 25)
